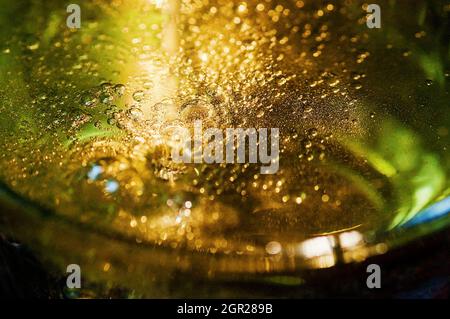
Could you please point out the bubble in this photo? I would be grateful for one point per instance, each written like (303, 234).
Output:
(119, 89)
(138, 96)
(196, 109)
(111, 110)
(135, 113)
(106, 97)
(89, 100)
(111, 121)
(105, 86)
(307, 144)
(312, 132)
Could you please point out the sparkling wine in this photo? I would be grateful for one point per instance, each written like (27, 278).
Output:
(87, 116)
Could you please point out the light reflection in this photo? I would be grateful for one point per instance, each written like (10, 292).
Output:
(324, 261)
(437, 210)
(318, 246)
(349, 240)
(232, 65)
(158, 3)
(273, 248)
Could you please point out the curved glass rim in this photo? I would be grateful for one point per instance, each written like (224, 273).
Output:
(321, 251)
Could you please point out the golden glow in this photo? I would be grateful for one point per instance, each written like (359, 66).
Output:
(317, 247)
(142, 69)
(349, 240)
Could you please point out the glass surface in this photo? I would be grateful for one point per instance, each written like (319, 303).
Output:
(86, 117)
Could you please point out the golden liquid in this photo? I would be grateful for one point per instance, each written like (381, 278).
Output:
(86, 116)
